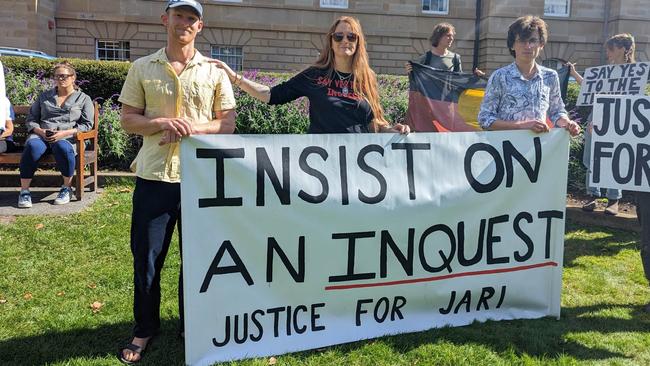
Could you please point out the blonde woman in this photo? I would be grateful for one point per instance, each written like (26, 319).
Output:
(341, 87)
(619, 50)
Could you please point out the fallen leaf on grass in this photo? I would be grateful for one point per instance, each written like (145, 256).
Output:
(96, 306)
(39, 226)
(125, 190)
(28, 296)
(60, 293)
(92, 285)
(273, 361)
(6, 220)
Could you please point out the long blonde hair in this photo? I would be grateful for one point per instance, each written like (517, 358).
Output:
(626, 41)
(365, 80)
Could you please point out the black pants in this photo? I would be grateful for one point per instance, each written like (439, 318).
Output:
(643, 213)
(156, 210)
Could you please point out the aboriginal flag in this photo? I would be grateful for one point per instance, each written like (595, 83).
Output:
(443, 101)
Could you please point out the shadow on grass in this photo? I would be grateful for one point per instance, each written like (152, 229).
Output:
(87, 344)
(613, 242)
(545, 338)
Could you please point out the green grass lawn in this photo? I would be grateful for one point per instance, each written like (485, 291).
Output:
(54, 268)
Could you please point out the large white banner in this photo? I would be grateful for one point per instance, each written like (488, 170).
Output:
(613, 79)
(620, 148)
(293, 242)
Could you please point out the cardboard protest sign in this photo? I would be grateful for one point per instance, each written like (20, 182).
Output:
(294, 242)
(617, 79)
(620, 148)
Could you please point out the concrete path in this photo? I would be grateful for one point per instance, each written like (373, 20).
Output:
(42, 202)
(622, 221)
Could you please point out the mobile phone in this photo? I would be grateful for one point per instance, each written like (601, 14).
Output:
(49, 133)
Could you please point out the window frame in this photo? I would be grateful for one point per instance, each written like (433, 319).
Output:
(438, 12)
(559, 63)
(213, 54)
(119, 50)
(326, 6)
(568, 13)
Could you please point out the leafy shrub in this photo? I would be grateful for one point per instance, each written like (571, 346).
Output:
(98, 79)
(393, 92)
(24, 88)
(116, 147)
(255, 117)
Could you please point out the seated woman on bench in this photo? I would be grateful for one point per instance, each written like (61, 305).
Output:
(53, 120)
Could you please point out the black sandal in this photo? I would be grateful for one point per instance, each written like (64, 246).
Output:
(133, 348)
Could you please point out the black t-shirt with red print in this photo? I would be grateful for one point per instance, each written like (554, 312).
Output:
(333, 106)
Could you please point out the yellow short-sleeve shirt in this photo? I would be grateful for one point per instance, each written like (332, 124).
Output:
(197, 93)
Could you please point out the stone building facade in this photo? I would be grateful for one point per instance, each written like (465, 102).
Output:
(287, 35)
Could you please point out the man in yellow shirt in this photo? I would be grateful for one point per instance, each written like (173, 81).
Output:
(172, 93)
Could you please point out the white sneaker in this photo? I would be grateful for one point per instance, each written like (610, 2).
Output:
(64, 196)
(25, 199)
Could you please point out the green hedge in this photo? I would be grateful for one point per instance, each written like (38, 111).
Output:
(98, 79)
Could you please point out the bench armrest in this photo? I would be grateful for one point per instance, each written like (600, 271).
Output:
(86, 135)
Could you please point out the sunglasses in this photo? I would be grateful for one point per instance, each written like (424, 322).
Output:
(62, 77)
(338, 36)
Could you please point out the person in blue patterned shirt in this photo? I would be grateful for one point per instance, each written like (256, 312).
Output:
(524, 94)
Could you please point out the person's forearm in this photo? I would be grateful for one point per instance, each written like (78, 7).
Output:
(223, 125)
(255, 90)
(9, 129)
(139, 124)
(576, 76)
(500, 124)
(38, 131)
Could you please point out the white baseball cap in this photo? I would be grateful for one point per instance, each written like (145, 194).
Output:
(191, 3)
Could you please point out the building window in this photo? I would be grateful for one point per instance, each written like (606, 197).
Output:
(558, 8)
(341, 4)
(435, 6)
(233, 56)
(113, 50)
(553, 63)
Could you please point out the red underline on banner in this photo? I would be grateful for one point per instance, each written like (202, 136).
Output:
(443, 277)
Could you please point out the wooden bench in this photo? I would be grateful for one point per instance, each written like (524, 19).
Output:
(86, 155)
